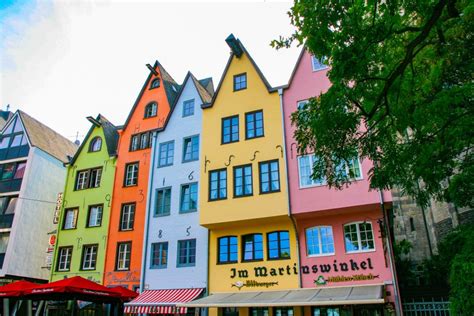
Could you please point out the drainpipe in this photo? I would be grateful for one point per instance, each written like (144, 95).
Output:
(148, 211)
(298, 258)
(388, 240)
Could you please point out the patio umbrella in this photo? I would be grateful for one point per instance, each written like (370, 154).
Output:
(16, 289)
(125, 294)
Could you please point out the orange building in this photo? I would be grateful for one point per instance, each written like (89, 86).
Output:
(125, 240)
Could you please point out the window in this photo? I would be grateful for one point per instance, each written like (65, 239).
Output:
(14, 170)
(188, 108)
(166, 154)
(218, 184)
(95, 215)
(89, 257)
(70, 218)
(89, 178)
(227, 252)
(328, 311)
(155, 83)
(159, 255)
(163, 202)
(254, 124)
(359, 237)
(269, 176)
(124, 251)
(350, 170)
(259, 311)
(278, 245)
(186, 253)
(127, 216)
(95, 144)
(230, 311)
(243, 181)
(141, 141)
(305, 168)
(252, 247)
(151, 109)
(189, 196)
(318, 63)
(230, 129)
(301, 104)
(240, 82)
(7, 205)
(319, 241)
(131, 174)
(64, 259)
(283, 311)
(191, 148)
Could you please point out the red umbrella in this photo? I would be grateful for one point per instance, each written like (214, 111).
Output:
(16, 289)
(74, 286)
(125, 294)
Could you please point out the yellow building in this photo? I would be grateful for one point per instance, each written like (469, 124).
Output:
(243, 191)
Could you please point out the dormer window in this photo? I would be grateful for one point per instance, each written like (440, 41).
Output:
(155, 83)
(240, 82)
(96, 144)
(151, 109)
(318, 63)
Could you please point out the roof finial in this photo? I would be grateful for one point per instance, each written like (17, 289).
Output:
(8, 107)
(77, 142)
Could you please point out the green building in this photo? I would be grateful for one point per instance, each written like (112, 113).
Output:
(83, 221)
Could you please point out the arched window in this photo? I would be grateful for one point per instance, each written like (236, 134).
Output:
(319, 241)
(155, 83)
(151, 109)
(96, 144)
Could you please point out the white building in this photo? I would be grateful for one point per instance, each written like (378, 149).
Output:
(176, 251)
(32, 173)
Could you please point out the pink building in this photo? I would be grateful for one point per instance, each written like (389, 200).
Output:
(342, 233)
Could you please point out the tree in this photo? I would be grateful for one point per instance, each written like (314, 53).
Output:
(401, 94)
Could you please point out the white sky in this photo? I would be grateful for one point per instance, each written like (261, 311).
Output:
(64, 60)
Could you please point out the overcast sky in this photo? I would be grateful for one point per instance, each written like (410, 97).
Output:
(64, 60)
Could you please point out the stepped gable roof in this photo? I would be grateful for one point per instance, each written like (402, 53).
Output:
(170, 86)
(233, 53)
(110, 134)
(46, 139)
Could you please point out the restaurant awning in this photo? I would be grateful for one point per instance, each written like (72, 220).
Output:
(162, 301)
(367, 294)
(16, 289)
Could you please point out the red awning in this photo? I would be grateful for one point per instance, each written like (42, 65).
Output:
(125, 294)
(162, 301)
(16, 289)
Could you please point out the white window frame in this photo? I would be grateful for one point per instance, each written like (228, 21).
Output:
(127, 213)
(312, 158)
(98, 177)
(188, 111)
(73, 222)
(90, 253)
(320, 62)
(97, 219)
(81, 180)
(318, 228)
(122, 256)
(130, 178)
(64, 259)
(301, 103)
(359, 239)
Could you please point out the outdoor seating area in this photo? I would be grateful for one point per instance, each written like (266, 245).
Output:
(72, 296)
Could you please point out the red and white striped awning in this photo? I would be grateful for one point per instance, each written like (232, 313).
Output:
(162, 301)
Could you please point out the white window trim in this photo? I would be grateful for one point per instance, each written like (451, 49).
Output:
(93, 249)
(358, 237)
(121, 261)
(128, 216)
(320, 240)
(319, 69)
(64, 263)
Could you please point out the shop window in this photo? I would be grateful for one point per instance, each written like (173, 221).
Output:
(151, 109)
(163, 202)
(359, 237)
(159, 255)
(166, 154)
(230, 311)
(228, 248)
(95, 215)
(188, 199)
(89, 257)
(131, 174)
(186, 253)
(305, 168)
(254, 124)
(258, 311)
(330, 311)
(283, 311)
(188, 108)
(269, 176)
(155, 83)
(218, 184)
(230, 129)
(127, 217)
(240, 82)
(89, 178)
(319, 241)
(278, 245)
(95, 144)
(252, 247)
(70, 218)
(124, 253)
(64, 258)
(191, 148)
(243, 181)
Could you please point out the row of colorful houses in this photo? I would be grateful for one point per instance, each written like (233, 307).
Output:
(202, 203)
